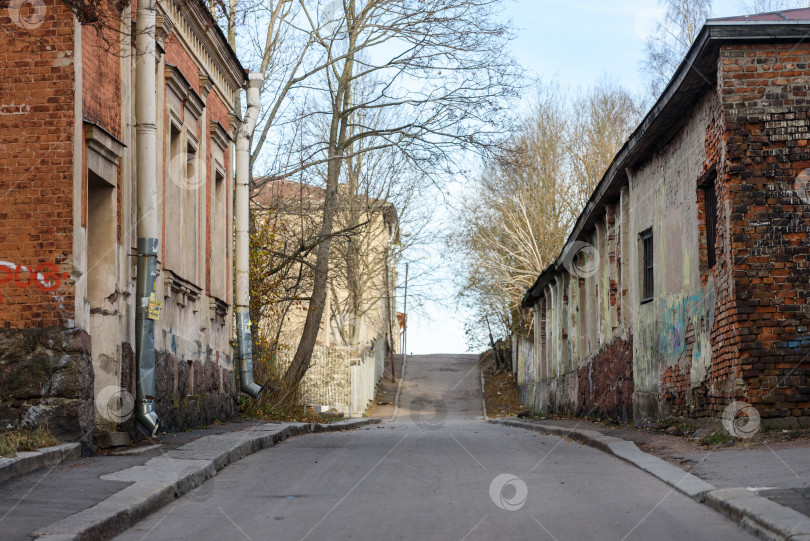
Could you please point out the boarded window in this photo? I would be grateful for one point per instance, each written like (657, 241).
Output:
(710, 212)
(647, 276)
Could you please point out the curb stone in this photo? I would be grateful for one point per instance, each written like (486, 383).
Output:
(759, 515)
(28, 461)
(754, 513)
(162, 479)
(675, 477)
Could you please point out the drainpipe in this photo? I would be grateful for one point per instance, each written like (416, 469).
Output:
(146, 167)
(242, 202)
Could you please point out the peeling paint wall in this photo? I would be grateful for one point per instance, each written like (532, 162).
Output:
(726, 320)
(598, 328)
(82, 179)
(663, 198)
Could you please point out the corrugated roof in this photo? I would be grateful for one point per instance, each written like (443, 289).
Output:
(801, 14)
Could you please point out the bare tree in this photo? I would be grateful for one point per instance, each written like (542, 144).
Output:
(671, 39)
(516, 218)
(602, 118)
(519, 211)
(379, 193)
(439, 63)
(765, 6)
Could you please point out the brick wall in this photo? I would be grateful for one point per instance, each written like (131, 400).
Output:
(36, 169)
(714, 392)
(101, 76)
(177, 56)
(606, 381)
(764, 89)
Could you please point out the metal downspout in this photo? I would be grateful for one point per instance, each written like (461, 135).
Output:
(243, 330)
(146, 168)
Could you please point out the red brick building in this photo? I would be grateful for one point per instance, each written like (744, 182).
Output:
(684, 285)
(69, 216)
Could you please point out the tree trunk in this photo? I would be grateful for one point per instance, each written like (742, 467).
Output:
(317, 303)
(337, 141)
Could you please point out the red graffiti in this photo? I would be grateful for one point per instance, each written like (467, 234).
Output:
(45, 276)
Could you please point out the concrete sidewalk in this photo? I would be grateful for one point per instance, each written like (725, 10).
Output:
(99, 497)
(765, 489)
(385, 402)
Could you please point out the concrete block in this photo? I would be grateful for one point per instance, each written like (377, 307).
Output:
(9, 468)
(105, 440)
(675, 477)
(34, 460)
(626, 450)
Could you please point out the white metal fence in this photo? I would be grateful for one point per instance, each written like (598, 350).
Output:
(366, 374)
(336, 379)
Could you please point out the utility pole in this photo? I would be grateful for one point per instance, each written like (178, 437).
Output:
(390, 299)
(405, 313)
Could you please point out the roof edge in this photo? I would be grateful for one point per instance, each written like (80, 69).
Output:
(713, 34)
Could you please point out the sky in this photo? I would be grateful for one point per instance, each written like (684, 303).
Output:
(574, 44)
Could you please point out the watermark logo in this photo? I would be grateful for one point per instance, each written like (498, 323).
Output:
(741, 420)
(27, 14)
(115, 404)
(184, 172)
(582, 260)
(203, 492)
(802, 186)
(331, 18)
(427, 412)
(512, 498)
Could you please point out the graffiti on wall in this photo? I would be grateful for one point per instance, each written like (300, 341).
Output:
(679, 314)
(673, 324)
(45, 277)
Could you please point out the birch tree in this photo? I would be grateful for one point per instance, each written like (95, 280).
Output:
(667, 45)
(518, 214)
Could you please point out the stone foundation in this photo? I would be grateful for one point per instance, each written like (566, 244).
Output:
(46, 380)
(193, 394)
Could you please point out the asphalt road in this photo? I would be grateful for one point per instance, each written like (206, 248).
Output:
(438, 472)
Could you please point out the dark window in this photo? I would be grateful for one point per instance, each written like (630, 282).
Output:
(710, 212)
(543, 324)
(647, 285)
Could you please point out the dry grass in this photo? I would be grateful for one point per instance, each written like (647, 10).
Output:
(12, 441)
(501, 391)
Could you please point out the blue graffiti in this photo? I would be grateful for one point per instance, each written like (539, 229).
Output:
(675, 319)
(795, 344)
